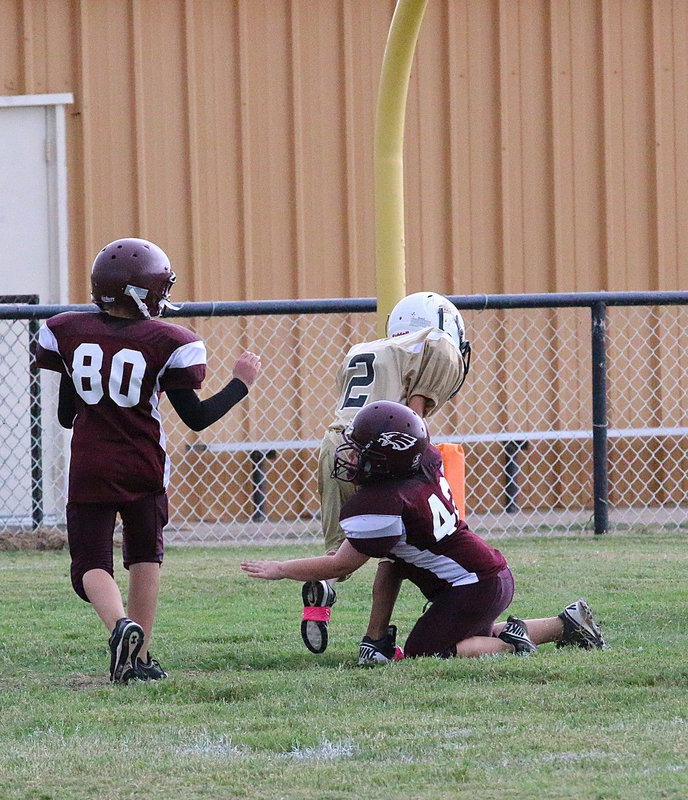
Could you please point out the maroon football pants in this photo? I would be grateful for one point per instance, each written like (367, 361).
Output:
(458, 613)
(90, 527)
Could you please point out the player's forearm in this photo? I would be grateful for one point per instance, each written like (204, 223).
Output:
(219, 404)
(345, 561)
(319, 568)
(199, 414)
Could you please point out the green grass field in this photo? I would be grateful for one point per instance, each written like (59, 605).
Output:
(247, 712)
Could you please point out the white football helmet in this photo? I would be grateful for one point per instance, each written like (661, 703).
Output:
(426, 310)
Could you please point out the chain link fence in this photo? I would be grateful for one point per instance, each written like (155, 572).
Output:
(549, 447)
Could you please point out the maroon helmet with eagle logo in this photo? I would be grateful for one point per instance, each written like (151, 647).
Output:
(384, 440)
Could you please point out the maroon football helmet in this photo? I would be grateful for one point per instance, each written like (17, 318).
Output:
(132, 274)
(384, 440)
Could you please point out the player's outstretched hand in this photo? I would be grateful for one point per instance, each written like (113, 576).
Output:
(269, 570)
(247, 367)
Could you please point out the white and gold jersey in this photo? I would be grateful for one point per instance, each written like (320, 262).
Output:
(424, 362)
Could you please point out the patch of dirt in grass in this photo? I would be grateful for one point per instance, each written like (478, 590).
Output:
(81, 681)
(42, 538)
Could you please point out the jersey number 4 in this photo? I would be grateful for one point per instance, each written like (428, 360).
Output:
(126, 375)
(443, 520)
(361, 374)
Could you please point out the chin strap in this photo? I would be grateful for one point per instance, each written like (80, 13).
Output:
(136, 293)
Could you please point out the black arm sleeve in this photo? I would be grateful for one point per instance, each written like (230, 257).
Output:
(198, 414)
(66, 404)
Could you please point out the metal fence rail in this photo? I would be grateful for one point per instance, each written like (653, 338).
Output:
(574, 416)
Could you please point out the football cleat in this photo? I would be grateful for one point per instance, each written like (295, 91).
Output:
(580, 628)
(125, 642)
(318, 599)
(380, 651)
(515, 633)
(150, 670)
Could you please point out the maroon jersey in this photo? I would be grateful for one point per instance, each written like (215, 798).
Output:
(119, 367)
(414, 522)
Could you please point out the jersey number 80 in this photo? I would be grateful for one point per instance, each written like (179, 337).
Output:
(126, 375)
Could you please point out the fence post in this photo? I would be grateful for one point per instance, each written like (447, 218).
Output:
(36, 428)
(599, 416)
(511, 451)
(258, 458)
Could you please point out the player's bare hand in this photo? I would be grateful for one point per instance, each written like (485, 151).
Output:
(268, 570)
(247, 367)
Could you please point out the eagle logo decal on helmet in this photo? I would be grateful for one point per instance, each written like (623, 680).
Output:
(384, 440)
(396, 440)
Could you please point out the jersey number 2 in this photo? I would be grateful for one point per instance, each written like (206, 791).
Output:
(360, 368)
(126, 374)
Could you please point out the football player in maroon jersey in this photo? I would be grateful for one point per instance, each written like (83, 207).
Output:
(403, 511)
(114, 364)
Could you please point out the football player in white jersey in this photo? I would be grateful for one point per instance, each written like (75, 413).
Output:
(422, 363)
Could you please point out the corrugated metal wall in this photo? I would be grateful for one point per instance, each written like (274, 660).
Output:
(545, 151)
(545, 139)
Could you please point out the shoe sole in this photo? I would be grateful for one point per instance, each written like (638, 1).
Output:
(127, 649)
(314, 635)
(585, 625)
(314, 632)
